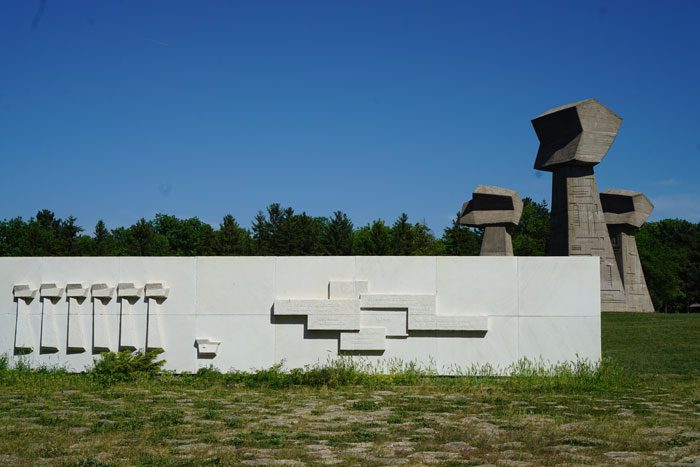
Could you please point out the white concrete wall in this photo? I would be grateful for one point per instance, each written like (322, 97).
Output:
(535, 307)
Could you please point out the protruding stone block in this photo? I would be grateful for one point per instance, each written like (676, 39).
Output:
(77, 322)
(573, 139)
(128, 290)
(101, 291)
(24, 292)
(367, 339)
(315, 307)
(493, 208)
(50, 334)
(24, 331)
(51, 291)
(132, 326)
(420, 304)
(76, 291)
(447, 323)
(105, 329)
(346, 289)
(207, 348)
(157, 290)
(575, 134)
(625, 211)
(333, 321)
(394, 321)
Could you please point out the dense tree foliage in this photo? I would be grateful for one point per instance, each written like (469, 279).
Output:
(670, 253)
(669, 249)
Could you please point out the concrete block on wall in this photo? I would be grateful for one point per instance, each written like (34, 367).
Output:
(23, 292)
(207, 348)
(101, 291)
(367, 339)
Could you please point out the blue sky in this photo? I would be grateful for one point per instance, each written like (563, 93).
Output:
(120, 110)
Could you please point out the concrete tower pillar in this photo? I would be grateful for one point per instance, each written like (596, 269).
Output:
(573, 139)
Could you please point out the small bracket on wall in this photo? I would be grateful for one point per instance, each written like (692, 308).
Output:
(50, 291)
(128, 290)
(206, 348)
(76, 291)
(24, 292)
(157, 290)
(102, 291)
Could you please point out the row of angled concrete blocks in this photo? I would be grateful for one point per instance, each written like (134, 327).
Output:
(76, 331)
(573, 139)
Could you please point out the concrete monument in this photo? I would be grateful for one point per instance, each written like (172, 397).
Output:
(573, 139)
(625, 211)
(495, 209)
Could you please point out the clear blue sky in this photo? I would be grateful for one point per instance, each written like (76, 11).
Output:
(120, 110)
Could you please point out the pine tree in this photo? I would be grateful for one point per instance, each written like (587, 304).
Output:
(459, 240)
(402, 236)
(337, 236)
(231, 239)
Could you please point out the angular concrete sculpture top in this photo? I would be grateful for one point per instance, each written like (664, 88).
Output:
(575, 134)
(625, 207)
(492, 205)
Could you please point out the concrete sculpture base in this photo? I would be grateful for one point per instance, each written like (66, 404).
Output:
(578, 228)
(449, 313)
(496, 241)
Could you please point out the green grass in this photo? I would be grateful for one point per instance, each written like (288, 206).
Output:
(639, 406)
(653, 343)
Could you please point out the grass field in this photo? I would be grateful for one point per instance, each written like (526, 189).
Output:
(641, 407)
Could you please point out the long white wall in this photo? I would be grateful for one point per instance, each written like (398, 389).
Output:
(448, 312)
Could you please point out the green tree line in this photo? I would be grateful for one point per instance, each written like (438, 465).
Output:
(669, 249)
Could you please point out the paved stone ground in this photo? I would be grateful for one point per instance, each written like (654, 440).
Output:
(478, 425)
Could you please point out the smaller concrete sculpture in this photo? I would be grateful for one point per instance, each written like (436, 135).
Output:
(493, 208)
(626, 211)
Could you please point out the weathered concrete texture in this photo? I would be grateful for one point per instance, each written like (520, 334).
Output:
(625, 207)
(580, 134)
(625, 211)
(493, 208)
(574, 138)
(496, 241)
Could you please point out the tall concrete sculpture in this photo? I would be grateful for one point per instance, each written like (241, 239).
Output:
(493, 208)
(573, 139)
(626, 211)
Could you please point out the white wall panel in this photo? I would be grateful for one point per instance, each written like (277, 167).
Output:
(483, 310)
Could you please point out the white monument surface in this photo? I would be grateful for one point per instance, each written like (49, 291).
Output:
(246, 313)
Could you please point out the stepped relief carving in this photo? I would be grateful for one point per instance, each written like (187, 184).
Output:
(365, 320)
